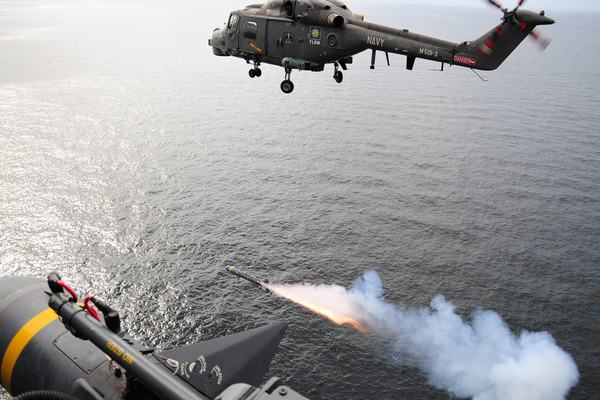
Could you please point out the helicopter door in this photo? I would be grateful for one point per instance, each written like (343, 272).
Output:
(281, 39)
(252, 35)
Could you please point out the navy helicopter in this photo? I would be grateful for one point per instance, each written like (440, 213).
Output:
(307, 34)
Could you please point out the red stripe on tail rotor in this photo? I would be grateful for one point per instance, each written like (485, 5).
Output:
(495, 4)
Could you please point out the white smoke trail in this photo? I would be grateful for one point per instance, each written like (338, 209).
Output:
(483, 359)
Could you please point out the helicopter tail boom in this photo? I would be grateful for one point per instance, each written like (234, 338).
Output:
(485, 53)
(496, 45)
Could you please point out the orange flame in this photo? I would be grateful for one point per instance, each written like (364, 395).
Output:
(317, 308)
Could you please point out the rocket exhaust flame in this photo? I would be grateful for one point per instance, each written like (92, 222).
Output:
(481, 359)
(306, 297)
(327, 301)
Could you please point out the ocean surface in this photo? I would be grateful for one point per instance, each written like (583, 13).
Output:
(138, 165)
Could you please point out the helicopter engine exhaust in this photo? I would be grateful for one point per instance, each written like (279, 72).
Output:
(336, 21)
(288, 6)
(322, 18)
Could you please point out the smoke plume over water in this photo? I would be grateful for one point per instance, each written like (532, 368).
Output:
(481, 359)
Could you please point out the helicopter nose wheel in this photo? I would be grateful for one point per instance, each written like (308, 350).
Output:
(287, 86)
(337, 74)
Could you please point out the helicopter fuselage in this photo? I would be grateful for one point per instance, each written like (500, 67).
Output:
(308, 34)
(266, 39)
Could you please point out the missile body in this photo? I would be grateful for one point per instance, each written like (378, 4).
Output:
(241, 274)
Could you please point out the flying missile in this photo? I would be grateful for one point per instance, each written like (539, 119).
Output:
(241, 274)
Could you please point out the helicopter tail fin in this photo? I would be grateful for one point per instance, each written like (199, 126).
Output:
(490, 50)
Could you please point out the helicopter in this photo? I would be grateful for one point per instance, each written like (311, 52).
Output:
(308, 34)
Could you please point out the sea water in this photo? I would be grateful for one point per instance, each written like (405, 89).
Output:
(138, 165)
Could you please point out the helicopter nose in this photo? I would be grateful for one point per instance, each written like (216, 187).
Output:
(213, 40)
(218, 43)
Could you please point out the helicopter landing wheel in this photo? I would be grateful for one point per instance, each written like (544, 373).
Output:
(338, 76)
(256, 72)
(287, 86)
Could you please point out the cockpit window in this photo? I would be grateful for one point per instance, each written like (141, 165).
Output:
(233, 21)
(250, 28)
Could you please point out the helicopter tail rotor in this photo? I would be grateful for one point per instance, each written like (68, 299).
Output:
(495, 46)
(542, 41)
(498, 5)
(495, 4)
(523, 19)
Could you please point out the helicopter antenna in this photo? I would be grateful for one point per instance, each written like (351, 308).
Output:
(479, 76)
